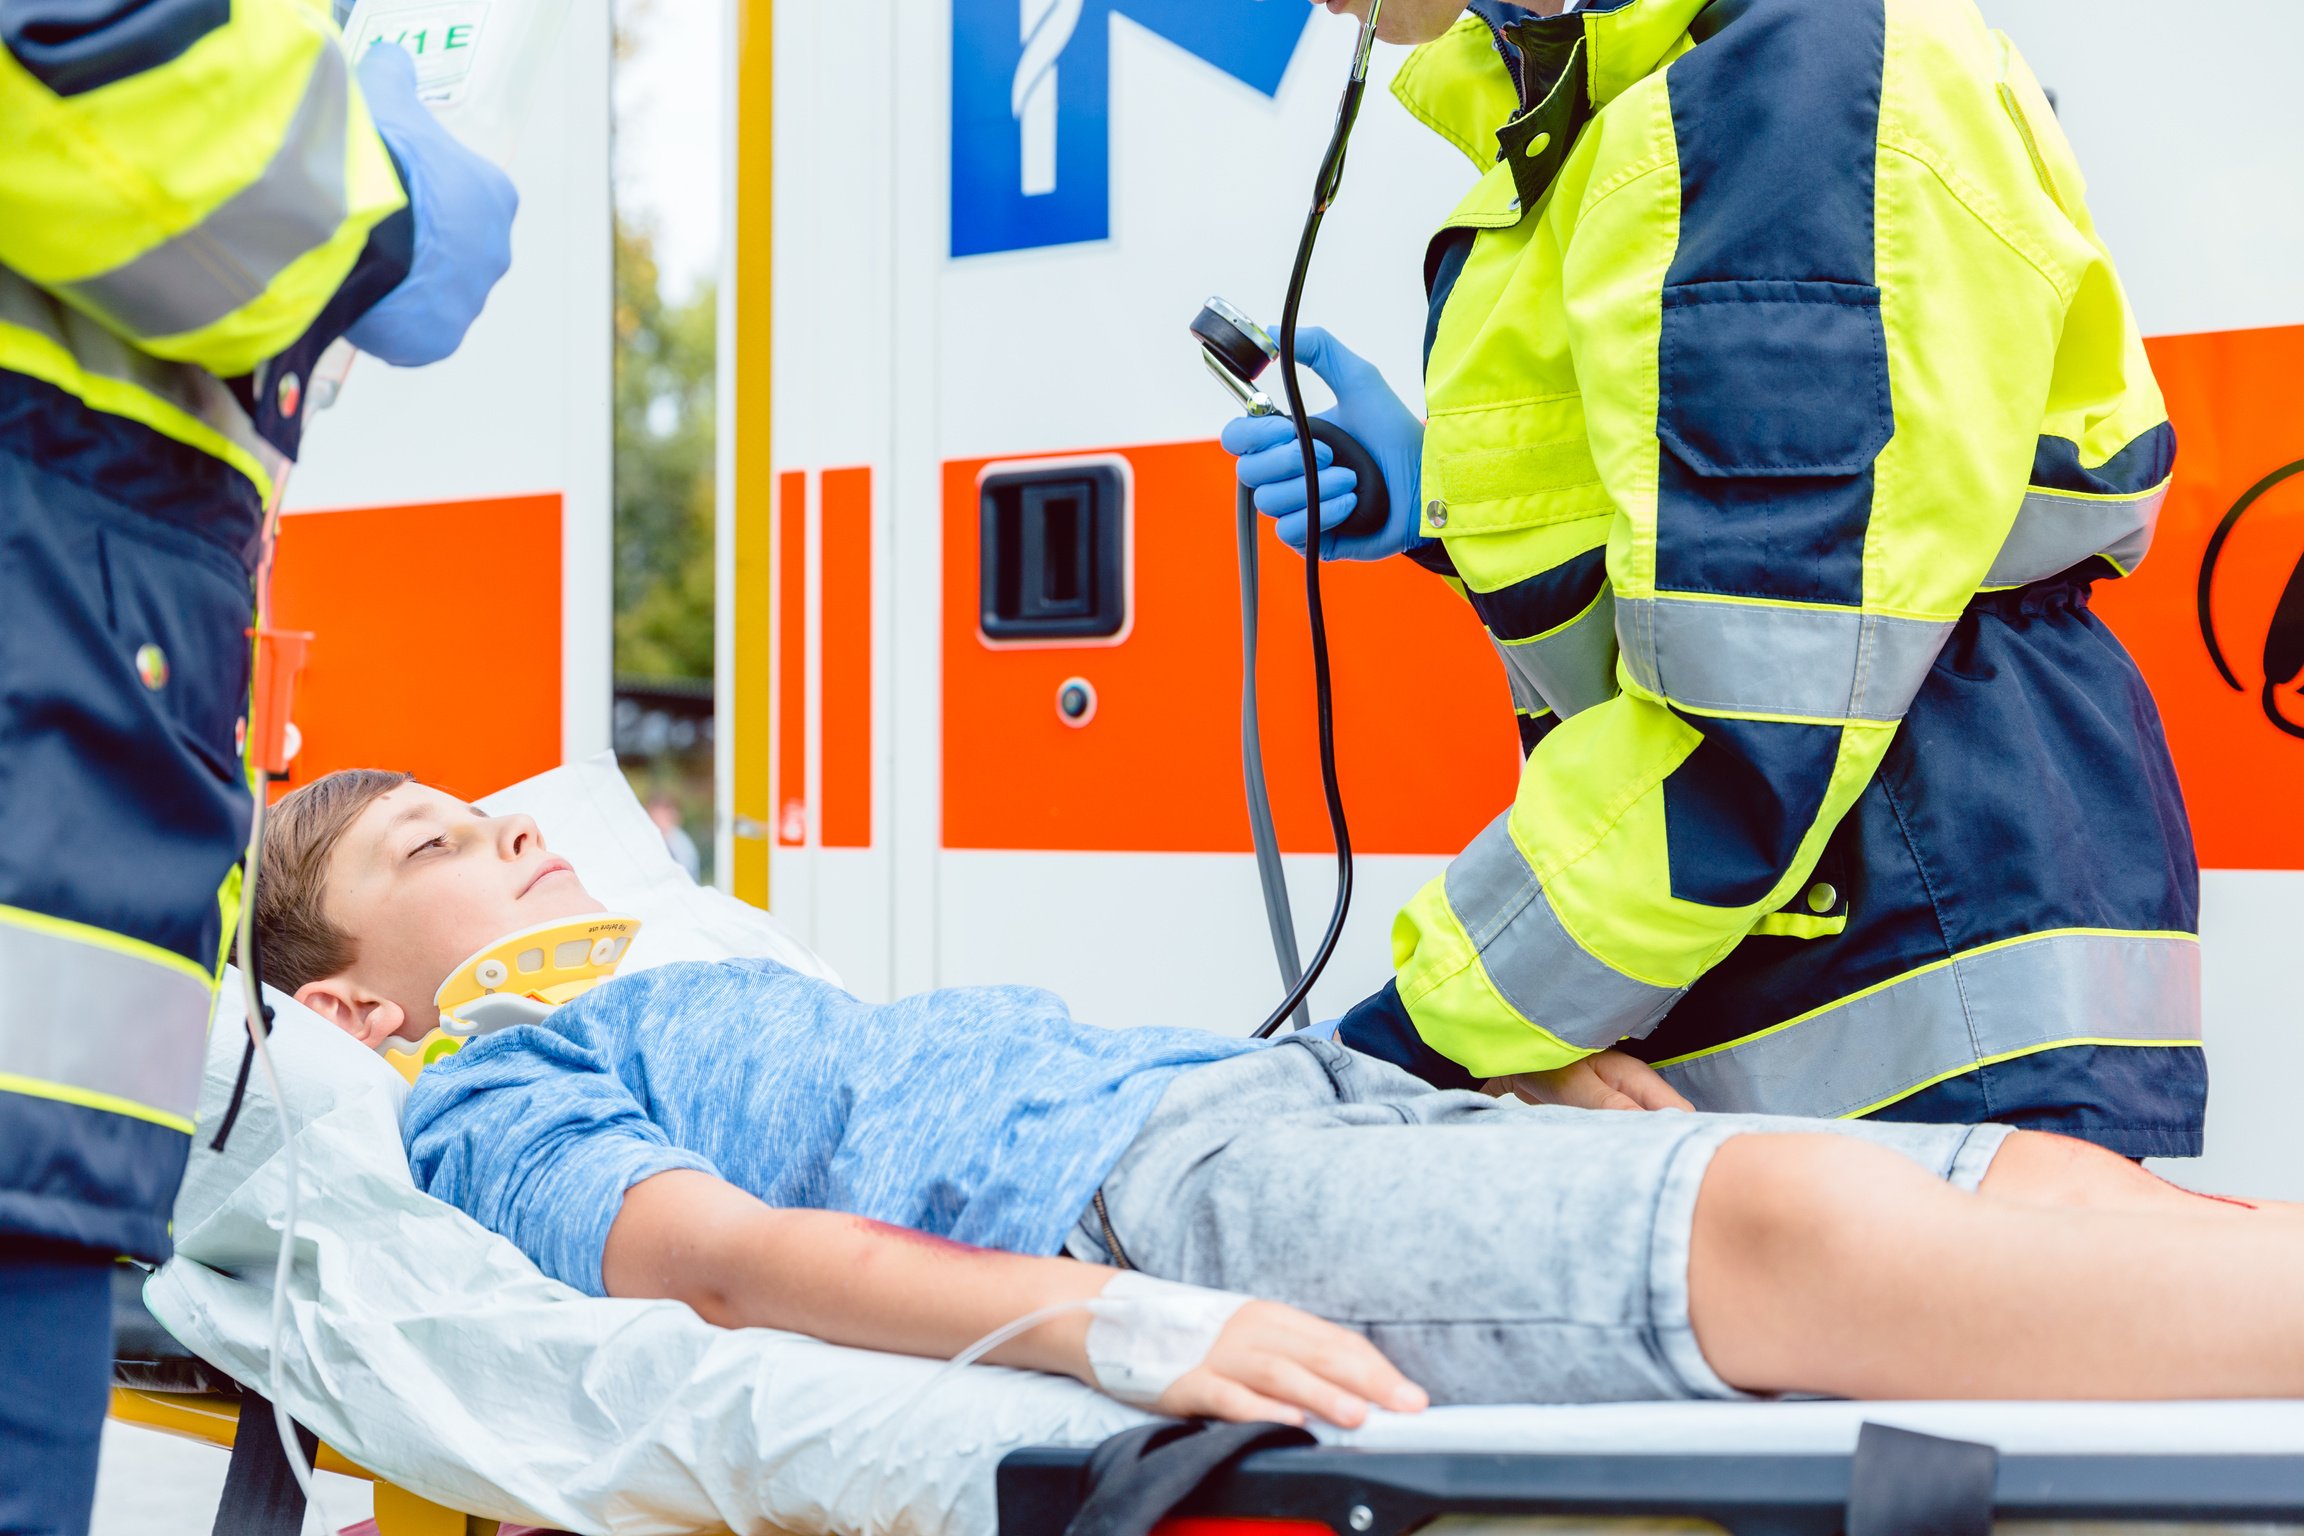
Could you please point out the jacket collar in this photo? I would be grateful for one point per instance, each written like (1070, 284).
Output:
(1502, 62)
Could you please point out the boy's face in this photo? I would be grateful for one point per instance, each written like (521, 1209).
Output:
(420, 880)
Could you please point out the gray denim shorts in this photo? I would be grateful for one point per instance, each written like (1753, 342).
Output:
(1494, 1250)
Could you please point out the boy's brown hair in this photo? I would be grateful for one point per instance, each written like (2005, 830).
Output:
(297, 943)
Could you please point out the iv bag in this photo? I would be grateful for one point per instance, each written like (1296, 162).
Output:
(477, 61)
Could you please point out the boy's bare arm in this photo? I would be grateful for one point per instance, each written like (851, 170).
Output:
(740, 1263)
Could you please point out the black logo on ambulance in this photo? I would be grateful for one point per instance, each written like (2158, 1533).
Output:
(2284, 639)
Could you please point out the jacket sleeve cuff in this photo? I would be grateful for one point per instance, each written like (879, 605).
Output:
(276, 405)
(1432, 554)
(1380, 1027)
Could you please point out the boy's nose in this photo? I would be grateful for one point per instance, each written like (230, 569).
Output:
(520, 835)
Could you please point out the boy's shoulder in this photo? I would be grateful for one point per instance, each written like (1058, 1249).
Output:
(589, 1025)
(611, 1022)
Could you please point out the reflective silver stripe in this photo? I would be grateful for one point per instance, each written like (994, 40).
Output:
(1526, 698)
(98, 1024)
(228, 259)
(101, 354)
(2055, 531)
(1569, 668)
(1540, 969)
(1760, 659)
(1985, 1005)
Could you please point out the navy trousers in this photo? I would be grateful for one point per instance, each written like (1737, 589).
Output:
(55, 1379)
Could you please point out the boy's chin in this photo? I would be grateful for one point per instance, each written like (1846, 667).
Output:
(564, 900)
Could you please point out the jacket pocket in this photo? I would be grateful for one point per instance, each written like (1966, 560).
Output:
(1519, 465)
(1773, 379)
(179, 610)
(2034, 118)
(1820, 909)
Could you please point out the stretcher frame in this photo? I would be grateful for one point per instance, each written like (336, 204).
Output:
(158, 1384)
(1680, 1477)
(1313, 1491)
(214, 1419)
(1319, 1490)
(1316, 1490)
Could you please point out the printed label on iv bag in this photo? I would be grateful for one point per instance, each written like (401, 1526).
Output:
(443, 38)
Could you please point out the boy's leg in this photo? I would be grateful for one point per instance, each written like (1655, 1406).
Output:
(1496, 1252)
(1817, 1265)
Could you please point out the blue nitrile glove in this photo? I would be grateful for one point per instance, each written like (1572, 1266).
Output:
(463, 208)
(1273, 466)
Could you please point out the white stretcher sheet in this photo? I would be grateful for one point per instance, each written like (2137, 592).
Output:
(432, 1352)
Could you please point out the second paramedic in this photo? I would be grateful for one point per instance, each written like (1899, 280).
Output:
(196, 199)
(1783, 407)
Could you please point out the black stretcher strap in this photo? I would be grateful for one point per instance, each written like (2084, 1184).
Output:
(260, 1493)
(1903, 1483)
(1136, 1478)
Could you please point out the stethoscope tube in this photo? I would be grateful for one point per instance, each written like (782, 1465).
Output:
(1323, 194)
(1271, 873)
(1367, 515)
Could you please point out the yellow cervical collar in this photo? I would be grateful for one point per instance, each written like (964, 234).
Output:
(519, 979)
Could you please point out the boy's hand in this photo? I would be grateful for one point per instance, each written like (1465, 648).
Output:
(1610, 1080)
(1274, 1362)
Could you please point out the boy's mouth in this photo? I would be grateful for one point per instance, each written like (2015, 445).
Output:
(550, 867)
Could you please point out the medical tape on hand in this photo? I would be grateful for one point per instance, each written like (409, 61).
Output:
(1145, 1334)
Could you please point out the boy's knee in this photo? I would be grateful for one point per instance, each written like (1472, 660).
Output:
(1788, 1226)
(1793, 1201)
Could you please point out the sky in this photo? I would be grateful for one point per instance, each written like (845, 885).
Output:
(670, 135)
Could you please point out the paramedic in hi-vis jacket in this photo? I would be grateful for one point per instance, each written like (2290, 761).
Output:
(196, 198)
(1783, 407)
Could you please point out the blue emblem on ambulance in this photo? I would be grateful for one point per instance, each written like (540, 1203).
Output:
(1031, 82)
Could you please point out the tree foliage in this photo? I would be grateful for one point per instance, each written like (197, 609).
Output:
(663, 468)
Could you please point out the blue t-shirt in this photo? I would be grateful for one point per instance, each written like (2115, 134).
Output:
(987, 1115)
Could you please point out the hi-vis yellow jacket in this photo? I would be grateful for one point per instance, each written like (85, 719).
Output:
(1782, 402)
(193, 203)
(199, 179)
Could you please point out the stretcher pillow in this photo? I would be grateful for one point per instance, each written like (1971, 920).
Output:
(432, 1352)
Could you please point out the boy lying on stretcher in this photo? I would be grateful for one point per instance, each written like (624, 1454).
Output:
(908, 1177)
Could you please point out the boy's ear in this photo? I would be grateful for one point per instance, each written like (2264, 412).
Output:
(363, 1015)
